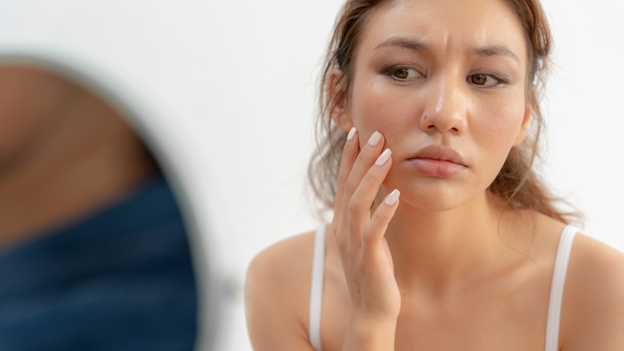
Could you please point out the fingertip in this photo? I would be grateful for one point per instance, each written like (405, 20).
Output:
(351, 134)
(352, 146)
(383, 158)
(392, 198)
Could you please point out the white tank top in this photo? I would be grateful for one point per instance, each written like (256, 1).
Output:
(554, 306)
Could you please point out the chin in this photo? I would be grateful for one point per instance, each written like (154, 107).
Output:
(430, 201)
(434, 194)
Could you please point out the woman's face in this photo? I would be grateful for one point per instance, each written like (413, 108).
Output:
(448, 75)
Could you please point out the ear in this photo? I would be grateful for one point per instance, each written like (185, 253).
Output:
(526, 124)
(337, 99)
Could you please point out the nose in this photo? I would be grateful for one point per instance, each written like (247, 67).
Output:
(447, 108)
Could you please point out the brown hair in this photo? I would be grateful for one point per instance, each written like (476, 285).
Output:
(517, 182)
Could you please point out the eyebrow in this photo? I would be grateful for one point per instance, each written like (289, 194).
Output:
(495, 50)
(420, 46)
(411, 44)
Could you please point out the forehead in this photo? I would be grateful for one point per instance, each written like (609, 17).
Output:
(458, 26)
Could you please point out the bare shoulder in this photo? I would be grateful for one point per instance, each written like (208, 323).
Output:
(284, 258)
(277, 291)
(593, 302)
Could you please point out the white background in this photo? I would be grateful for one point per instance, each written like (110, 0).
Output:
(238, 80)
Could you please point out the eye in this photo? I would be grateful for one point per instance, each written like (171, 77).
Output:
(483, 80)
(404, 74)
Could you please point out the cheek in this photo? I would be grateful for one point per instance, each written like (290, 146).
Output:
(494, 128)
(377, 106)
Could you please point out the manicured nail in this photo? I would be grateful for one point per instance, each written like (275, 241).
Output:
(374, 139)
(351, 134)
(383, 158)
(392, 198)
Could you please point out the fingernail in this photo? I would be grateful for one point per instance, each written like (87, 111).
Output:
(374, 139)
(383, 158)
(392, 198)
(351, 134)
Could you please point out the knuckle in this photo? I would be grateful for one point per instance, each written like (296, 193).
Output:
(361, 267)
(354, 208)
(363, 157)
(350, 189)
(371, 177)
(367, 237)
(341, 241)
(380, 217)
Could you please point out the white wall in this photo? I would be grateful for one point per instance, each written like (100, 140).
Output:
(586, 112)
(237, 79)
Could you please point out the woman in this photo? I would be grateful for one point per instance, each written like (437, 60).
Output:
(436, 101)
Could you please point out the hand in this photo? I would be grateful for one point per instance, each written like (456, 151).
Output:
(363, 249)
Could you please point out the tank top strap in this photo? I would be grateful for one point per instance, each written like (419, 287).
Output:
(316, 288)
(554, 307)
(556, 290)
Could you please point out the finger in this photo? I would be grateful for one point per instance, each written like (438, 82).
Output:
(386, 250)
(367, 156)
(375, 229)
(349, 155)
(366, 192)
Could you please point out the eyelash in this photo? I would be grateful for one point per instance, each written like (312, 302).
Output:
(391, 73)
(499, 80)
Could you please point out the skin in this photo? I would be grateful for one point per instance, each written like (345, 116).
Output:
(448, 266)
(63, 154)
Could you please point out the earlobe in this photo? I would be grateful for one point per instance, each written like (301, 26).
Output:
(337, 100)
(526, 124)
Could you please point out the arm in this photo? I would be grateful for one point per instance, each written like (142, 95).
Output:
(593, 302)
(276, 292)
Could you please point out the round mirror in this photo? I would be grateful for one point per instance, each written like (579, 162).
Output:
(99, 244)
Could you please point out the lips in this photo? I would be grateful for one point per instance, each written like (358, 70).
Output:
(436, 161)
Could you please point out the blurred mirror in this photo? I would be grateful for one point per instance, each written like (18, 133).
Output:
(94, 253)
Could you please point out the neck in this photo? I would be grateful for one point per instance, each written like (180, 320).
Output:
(445, 250)
(88, 157)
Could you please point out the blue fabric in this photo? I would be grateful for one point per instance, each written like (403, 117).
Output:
(120, 279)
